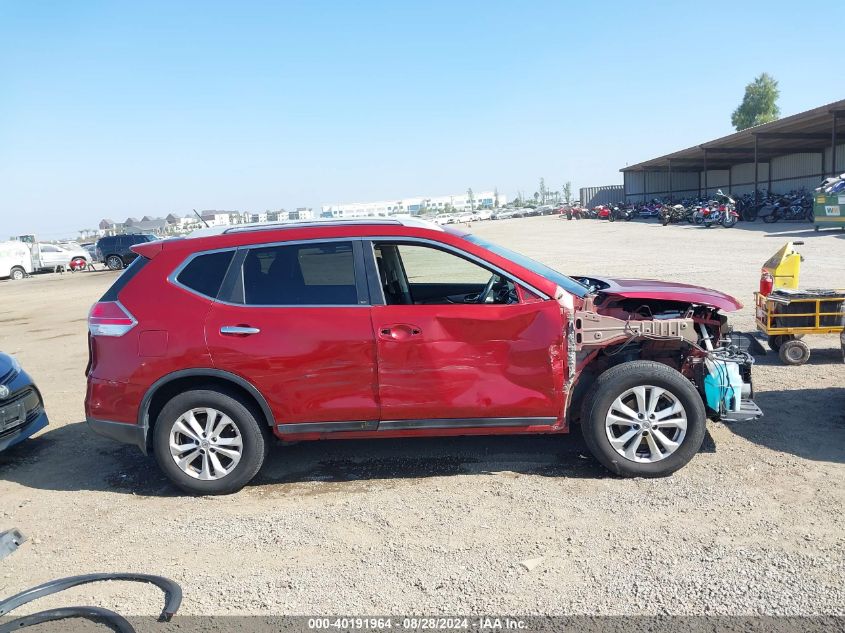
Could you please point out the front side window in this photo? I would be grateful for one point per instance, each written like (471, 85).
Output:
(419, 274)
(300, 274)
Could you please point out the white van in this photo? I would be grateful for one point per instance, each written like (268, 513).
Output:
(15, 260)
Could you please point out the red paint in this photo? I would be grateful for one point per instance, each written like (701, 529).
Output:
(311, 364)
(360, 363)
(468, 361)
(671, 291)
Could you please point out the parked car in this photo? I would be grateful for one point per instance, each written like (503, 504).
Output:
(69, 255)
(91, 248)
(21, 407)
(503, 214)
(115, 250)
(15, 260)
(207, 346)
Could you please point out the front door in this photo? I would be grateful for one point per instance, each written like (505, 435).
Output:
(459, 346)
(298, 328)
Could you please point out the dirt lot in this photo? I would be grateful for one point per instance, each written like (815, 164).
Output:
(752, 525)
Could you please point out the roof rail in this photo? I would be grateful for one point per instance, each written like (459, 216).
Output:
(270, 226)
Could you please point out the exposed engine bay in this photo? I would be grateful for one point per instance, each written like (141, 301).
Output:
(691, 337)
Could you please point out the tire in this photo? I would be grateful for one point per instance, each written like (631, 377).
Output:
(728, 222)
(17, 273)
(775, 342)
(612, 386)
(770, 219)
(114, 262)
(794, 352)
(242, 426)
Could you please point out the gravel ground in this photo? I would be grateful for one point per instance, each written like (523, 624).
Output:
(525, 525)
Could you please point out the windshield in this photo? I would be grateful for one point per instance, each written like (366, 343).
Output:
(567, 283)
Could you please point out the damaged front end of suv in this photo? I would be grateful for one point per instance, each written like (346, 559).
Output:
(678, 325)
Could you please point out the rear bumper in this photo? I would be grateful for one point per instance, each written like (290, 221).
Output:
(22, 433)
(124, 432)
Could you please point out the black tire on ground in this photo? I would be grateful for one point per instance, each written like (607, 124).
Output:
(114, 262)
(771, 218)
(794, 352)
(254, 435)
(776, 341)
(17, 273)
(614, 382)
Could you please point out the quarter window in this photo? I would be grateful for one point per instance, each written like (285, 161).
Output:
(300, 274)
(204, 274)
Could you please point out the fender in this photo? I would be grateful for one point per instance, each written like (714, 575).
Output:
(144, 409)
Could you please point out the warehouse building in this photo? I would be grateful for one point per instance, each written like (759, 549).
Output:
(793, 153)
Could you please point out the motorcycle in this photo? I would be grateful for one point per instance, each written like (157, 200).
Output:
(617, 213)
(722, 211)
(672, 214)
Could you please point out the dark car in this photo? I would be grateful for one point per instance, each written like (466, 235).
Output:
(21, 407)
(114, 250)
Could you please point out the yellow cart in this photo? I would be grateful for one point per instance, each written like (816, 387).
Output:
(785, 314)
(785, 317)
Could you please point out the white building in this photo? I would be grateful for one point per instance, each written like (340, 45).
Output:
(420, 205)
(224, 218)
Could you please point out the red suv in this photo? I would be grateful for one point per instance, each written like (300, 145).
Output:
(207, 346)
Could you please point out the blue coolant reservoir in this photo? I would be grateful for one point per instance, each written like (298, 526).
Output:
(722, 385)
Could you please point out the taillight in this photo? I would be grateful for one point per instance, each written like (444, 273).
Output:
(110, 318)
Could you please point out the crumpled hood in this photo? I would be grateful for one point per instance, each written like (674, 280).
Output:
(671, 291)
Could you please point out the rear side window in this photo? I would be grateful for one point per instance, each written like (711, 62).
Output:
(300, 274)
(204, 274)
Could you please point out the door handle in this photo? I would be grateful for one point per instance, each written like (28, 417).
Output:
(238, 330)
(399, 331)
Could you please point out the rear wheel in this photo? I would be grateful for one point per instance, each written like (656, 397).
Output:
(643, 419)
(794, 352)
(114, 262)
(17, 273)
(209, 442)
(775, 342)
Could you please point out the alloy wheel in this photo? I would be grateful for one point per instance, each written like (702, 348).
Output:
(206, 444)
(646, 424)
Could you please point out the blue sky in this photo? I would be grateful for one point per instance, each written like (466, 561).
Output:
(111, 109)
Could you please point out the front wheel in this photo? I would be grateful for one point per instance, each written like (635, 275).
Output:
(794, 352)
(209, 442)
(643, 419)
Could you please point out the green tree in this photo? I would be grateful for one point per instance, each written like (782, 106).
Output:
(496, 197)
(567, 192)
(544, 193)
(759, 105)
(471, 198)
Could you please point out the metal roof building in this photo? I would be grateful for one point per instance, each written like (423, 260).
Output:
(795, 152)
